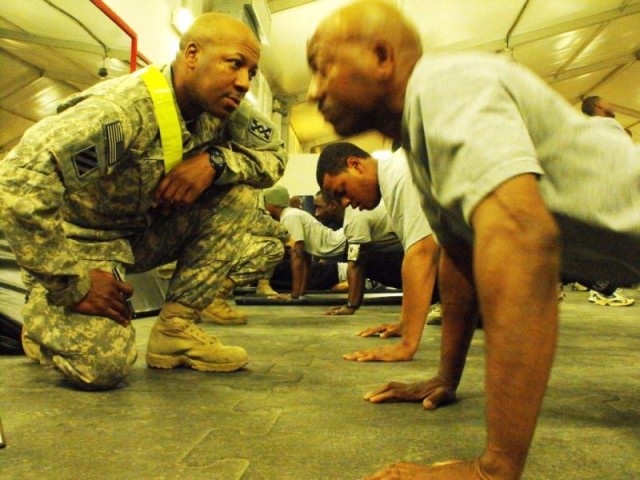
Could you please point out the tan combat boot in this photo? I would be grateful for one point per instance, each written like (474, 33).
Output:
(220, 311)
(175, 341)
(263, 289)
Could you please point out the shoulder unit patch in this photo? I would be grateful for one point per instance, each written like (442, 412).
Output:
(85, 161)
(260, 130)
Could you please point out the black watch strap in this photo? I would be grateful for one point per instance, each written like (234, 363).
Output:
(351, 305)
(217, 161)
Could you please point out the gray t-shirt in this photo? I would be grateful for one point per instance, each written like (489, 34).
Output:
(319, 240)
(402, 199)
(473, 121)
(371, 227)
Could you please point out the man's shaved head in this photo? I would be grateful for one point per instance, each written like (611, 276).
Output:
(361, 57)
(215, 27)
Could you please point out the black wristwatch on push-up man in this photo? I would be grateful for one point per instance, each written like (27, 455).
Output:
(217, 161)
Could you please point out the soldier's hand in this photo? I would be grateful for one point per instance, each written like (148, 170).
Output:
(184, 184)
(106, 297)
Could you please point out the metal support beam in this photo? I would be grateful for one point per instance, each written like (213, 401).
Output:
(515, 40)
(280, 5)
(68, 44)
(579, 71)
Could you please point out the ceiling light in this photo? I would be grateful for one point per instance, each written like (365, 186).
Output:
(181, 19)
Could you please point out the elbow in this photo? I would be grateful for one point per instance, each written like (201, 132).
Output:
(543, 236)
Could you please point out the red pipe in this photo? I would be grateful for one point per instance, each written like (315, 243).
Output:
(126, 29)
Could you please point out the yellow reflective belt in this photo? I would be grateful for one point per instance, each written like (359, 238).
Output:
(166, 116)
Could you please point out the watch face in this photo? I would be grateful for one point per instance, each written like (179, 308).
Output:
(216, 158)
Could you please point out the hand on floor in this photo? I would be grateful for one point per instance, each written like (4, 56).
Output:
(433, 393)
(341, 310)
(387, 353)
(386, 330)
(451, 470)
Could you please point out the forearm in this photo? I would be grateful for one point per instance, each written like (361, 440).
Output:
(520, 319)
(260, 168)
(255, 154)
(418, 279)
(459, 309)
(519, 308)
(355, 279)
(306, 271)
(297, 273)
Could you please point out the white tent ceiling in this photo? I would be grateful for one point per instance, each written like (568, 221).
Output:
(51, 48)
(580, 47)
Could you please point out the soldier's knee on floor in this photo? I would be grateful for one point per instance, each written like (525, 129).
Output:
(95, 372)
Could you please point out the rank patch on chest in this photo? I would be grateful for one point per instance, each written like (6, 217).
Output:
(85, 161)
(260, 130)
(114, 142)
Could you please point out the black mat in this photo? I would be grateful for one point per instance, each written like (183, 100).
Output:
(324, 298)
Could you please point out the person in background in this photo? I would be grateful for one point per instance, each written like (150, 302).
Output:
(308, 238)
(296, 202)
(374, 253)
(509, 176)
(360, 181)
(94, 191)
(605, 292)
(328, 210)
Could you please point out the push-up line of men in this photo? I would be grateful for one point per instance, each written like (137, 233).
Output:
(500, 161)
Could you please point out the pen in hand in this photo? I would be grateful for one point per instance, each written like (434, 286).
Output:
(118, 276)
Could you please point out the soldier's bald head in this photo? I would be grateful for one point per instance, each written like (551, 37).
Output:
(216, 28)
(213, 69)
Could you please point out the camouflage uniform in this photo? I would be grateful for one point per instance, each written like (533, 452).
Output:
(262, 248)
(76, 194)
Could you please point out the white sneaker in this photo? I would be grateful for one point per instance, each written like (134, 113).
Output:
(618, 299)
(434, 317)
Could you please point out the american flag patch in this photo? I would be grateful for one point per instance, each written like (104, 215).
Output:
(114, 142)
(85, 161)
(259, 130)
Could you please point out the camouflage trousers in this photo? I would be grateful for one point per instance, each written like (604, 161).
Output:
(204, 239)
(257, 259)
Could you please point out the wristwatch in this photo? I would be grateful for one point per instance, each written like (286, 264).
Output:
(351, 305)
(217, 161)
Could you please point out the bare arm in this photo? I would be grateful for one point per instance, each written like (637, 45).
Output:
(299, 270)
(460, 312)
(459, 308)
(418, 279)
(355, 279)
(306, 272)
(520, 314)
